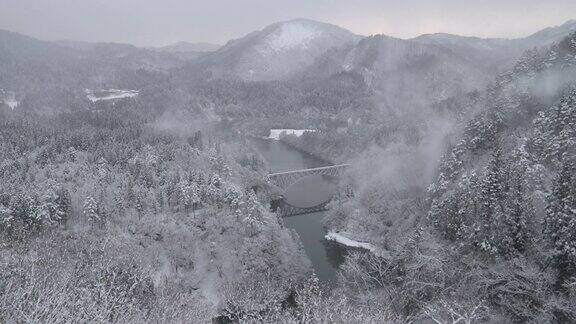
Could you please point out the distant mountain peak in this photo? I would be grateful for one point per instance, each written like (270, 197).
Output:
(303, 21)
(279, 50)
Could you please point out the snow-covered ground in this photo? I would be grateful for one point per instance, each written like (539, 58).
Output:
(276, 134)
(337, 237)
(111, 94)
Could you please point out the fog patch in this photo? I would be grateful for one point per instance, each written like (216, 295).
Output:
(180, 123)
(546, 85)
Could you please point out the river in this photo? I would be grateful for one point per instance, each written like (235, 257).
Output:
(325, 255)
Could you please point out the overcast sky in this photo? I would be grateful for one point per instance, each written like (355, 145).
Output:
(161, 22)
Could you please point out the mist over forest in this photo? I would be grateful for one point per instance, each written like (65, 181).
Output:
(301, 173)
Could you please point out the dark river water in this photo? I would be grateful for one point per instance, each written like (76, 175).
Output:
(307, 192)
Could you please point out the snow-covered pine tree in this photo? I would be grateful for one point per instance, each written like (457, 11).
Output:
(453, 213)
(64, 202)
(90, 210)
(560, 221)
(47, 211)
(492, 194)
(518, 211)
(22, 207)
(253, 214)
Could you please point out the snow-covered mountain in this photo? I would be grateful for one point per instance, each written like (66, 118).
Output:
(128, 56)
(27, 63)
(549, 36)
(435, 67)
(278, 51)
(498, 52)
(52, 76)
(429, 68)
(543, 38)
(404, 73)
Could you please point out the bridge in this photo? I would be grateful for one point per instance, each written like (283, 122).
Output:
(285, 179)
(287, 210)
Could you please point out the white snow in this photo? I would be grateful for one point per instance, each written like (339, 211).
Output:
(276, 134)
(337, 237)
(111, 94)
(291, 35)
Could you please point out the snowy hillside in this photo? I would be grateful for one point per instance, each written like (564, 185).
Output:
(549, 35)
(406, 73)
(499, 52)
(495, 52)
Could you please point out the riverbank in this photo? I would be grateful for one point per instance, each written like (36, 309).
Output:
(343, 239)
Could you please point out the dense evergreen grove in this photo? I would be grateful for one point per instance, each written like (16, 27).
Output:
(128, 218)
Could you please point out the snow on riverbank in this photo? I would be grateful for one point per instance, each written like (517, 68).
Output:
(276, 134)
(337, 237)
(111, 94)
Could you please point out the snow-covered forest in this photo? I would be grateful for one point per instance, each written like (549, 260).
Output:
(131, 190)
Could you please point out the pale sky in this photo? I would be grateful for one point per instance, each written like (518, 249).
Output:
(162, 22)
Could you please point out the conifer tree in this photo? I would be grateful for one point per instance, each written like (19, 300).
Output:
(90, 210)
(560, 221)
(516, 221)
(64, 202)
(47, 211)
(492, 208)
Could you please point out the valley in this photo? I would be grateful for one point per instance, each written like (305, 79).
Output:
(299, 174)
